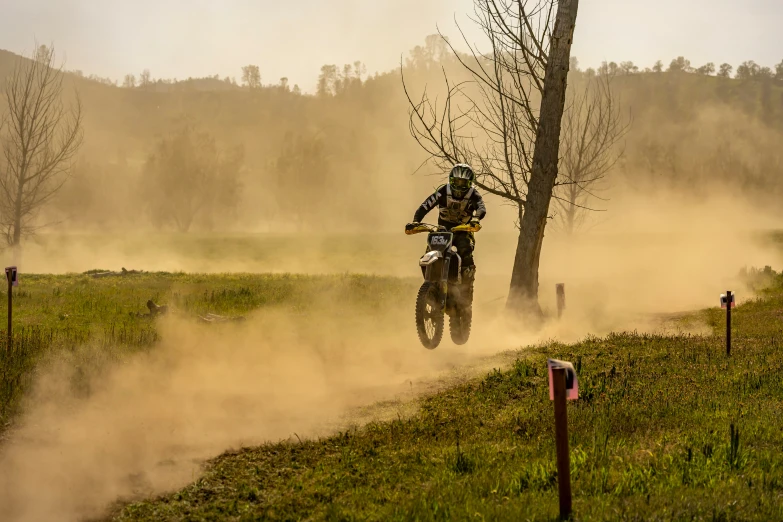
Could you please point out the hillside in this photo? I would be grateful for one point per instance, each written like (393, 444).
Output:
(691, 132)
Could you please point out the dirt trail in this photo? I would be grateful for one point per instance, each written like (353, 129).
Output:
(148, 425)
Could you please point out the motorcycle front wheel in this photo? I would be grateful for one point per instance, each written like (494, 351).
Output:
(429, 315)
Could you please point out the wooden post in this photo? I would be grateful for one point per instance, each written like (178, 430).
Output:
(10, 311)
(728, 323)
(561, 442)
(560, 290)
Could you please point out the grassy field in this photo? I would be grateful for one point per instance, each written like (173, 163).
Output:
(55, 313)
(666, 428)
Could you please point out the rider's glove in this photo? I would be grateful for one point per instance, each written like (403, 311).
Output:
(410, 226)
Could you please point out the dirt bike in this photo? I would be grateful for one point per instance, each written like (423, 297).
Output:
(441, 292)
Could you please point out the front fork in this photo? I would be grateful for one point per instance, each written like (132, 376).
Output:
(441, 277)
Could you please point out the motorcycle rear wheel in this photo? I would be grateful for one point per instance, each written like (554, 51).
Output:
(429, 315)
(460, 322)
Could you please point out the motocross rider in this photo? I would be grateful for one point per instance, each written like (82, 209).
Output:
(458, 203)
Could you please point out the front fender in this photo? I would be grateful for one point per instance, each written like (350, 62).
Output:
(430, 257)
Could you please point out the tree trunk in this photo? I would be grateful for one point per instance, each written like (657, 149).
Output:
(523, 292)
(18, 214)
(573, 194)
(570, 225)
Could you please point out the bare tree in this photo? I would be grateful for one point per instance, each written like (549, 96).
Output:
(491, 122)
(593, 124)
(40, 137)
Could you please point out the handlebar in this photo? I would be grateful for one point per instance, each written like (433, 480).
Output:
(426, 227)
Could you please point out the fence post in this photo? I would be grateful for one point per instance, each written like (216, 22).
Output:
(560, 289)
(728, 323)
(561, 442)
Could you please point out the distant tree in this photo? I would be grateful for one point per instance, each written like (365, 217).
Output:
(628, 68)
(751, 70)
(304, 174)
(593, 125)
(102, 80)
(188, 177)
(145, 78)
(680, 64)
(328, 81)
(435, 51)
(359, 70)
(351, 76)
(296, 89)
(417, 58)
(706, 69)
(129, 82)
(725, 70)
(436, 47)
(39, 137)
(284, 84)
(779, 71)
(43, 54)
(590, 72)
(658, 67)
(251, 76)
(574, 65)
(610, 68)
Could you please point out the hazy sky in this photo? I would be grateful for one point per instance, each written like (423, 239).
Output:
(181, 38)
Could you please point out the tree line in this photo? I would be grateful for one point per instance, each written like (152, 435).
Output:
(265, 147)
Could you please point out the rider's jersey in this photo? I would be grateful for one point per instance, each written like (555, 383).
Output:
(452, 211)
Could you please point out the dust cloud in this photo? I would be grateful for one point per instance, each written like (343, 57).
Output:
(146, 425)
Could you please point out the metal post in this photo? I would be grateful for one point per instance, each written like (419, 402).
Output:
(561, 442)
(728, 323)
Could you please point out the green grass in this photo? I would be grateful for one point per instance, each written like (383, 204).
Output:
(55, 313)
(666, 428)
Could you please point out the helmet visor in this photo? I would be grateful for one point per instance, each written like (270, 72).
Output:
(460, 183)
